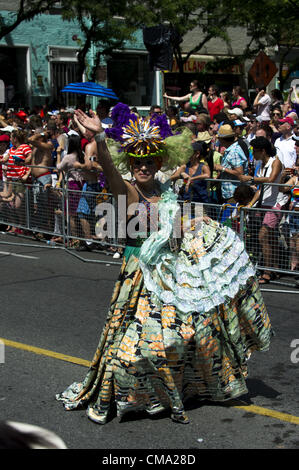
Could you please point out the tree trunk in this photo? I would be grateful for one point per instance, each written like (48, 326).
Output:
(81, 58)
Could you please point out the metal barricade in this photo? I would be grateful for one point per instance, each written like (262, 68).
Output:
(269, 238)
(32, 208)
(88, 216)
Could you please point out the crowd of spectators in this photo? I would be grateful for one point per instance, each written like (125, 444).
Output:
(240, 149)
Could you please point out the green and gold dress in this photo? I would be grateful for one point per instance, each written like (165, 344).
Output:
(181, 324)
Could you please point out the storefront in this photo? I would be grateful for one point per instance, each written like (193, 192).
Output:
(129, 77)
(196, 68)
(15, 75)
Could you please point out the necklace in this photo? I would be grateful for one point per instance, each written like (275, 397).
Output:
(148, 194)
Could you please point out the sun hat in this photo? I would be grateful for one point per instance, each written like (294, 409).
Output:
(225, 131)
(203, 137)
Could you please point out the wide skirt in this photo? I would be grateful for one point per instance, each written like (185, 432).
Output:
(153, 357)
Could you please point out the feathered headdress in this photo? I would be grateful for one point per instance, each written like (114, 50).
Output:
(141, 139)
(134, 136)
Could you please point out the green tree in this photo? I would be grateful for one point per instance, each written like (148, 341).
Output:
(274, 23)
(26, 11)
(212, 17)
(100, 23)
(109, 24)
(102, 26)
(271, 23)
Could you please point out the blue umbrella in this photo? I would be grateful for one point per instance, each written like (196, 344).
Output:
(90, 88)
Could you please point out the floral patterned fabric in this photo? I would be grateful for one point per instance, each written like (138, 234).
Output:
(153, 355)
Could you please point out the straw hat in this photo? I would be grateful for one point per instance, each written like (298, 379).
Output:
(204, 137)
(225, 131)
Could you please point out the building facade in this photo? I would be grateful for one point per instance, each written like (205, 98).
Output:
(38, 58)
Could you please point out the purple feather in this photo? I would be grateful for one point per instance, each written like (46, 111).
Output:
(121, 116)
(162, 123)
(115, 133)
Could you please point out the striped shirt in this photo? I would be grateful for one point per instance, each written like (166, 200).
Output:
(17, 171)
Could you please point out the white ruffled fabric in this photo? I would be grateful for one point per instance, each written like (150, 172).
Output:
(213, 278)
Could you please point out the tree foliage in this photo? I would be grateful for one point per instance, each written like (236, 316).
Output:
(27, 10)
(102, 23)
(109, 24)
(102, 26)
(212, 17)
(270, 23)
(273, 23)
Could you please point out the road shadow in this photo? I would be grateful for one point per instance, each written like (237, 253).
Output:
(256, 388)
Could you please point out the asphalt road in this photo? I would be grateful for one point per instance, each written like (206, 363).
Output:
(53, 301)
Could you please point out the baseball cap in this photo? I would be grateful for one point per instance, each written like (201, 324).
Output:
(201, 147)
(197, 146)
(22, 115)
(72, 132)
(238, 122)
(287, 119)
(4, 138)
(236, 111)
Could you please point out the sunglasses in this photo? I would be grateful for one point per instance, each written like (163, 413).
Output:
(276, 114)
(143, 161)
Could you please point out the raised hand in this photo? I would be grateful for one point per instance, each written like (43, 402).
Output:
(92, 123)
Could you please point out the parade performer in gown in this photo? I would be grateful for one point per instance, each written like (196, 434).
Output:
(186, 313)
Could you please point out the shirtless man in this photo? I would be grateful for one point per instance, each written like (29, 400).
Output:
(41, 157)
(41, 175)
